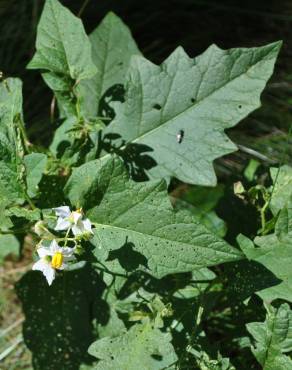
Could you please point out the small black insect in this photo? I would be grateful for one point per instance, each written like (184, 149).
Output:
(180, 136)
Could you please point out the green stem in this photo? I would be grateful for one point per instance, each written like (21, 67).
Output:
(263, 216)
(30, 202)
(84, 5)
(26, 142)
(66, 237)
(192, 336)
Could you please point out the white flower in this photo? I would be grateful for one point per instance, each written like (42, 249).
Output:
(53, 258)
(72, 220)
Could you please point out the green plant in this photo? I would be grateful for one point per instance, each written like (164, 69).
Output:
(138, 280)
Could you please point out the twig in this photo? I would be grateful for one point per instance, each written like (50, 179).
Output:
(12, 326)
(8, 350)
(52, 109)
(256, 154)
(84, 5)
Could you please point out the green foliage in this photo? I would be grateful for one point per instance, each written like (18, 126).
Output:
(200, 97)
(35, 164)
(11, 148)
(112, 49)
(142, 347)
(275, 253)
(30, 215)
(273, 338)
(63, 51)
(138, 269)
(201, 202)
(282, 193)
(8, 245)
(135, 223)
(62, 44)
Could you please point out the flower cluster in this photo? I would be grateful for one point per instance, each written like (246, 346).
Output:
(73, 220)
(55, 257)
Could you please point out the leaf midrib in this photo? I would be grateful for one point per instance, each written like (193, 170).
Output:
(164, 239)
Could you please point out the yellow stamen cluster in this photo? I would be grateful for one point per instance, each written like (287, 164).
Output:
(57, 260)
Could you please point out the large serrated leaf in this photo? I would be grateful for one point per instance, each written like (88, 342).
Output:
(136, 225)
(62, 44)
(273, 338)
(63, 50)
(112, 49)
(142, 347)
(178, 111)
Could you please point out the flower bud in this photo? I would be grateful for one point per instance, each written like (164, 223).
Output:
(41, 230)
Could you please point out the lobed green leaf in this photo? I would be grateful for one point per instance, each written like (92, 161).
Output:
(142, 347)
(177, 112)
(136, 225)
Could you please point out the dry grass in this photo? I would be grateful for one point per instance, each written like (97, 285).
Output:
(13, 353)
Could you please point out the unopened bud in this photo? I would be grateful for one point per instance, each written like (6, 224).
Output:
(41, 230)
(239, 190)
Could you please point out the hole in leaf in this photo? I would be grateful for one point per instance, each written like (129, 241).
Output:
(157, 106)
(157, 357)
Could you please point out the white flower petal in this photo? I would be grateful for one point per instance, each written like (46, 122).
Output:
(87, 226)
(67, 252)
(54, 247)
(43, 252)
(62, 224)
(40, 265)
(63, 211)
(49, 274)
(64, 266)
(76, 216)
(77, 230)
(69, 258)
